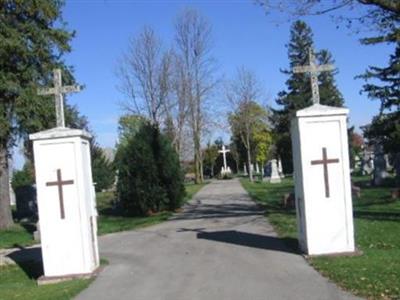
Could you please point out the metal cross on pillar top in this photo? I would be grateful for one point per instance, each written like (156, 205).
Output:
(313, 69)
(58, 90)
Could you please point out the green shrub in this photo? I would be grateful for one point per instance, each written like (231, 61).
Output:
(149, 175)
(102, 169)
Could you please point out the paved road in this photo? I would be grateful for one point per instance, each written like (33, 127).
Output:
(220, 247)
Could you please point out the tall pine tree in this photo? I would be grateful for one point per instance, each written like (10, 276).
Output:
(32, 44)
(298, 93)
(385, 87)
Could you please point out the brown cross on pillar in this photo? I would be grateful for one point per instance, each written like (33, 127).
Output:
(325, 161)
(59, 183)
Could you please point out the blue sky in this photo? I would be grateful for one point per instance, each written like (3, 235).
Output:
(243, 36)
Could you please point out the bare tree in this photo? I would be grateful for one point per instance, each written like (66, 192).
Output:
(378, 16)
(242, 94)
(176, 107)
(144, 72)
(196, 67)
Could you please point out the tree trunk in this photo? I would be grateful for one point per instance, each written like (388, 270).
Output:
(262, 170)
(201, 170)
(249, 165)
(197, 158)
(6, 220)
(237, 165)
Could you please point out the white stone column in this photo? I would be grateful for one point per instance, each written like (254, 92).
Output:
(66, 202)
(322, 180)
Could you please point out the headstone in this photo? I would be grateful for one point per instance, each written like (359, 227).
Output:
(66, 198)
(275, 177)
(322, 177)
(267, 171)
(380, 172)
(367, 163)
(26, 202)
(271, 173)
(36, 233)
(288, 200)
(357, 163)
(280, 169)
(389, 166)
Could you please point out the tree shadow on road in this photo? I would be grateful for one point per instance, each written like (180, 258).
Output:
(251, 240)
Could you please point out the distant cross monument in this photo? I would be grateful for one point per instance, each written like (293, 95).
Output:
(313, 69)
(58, 90)
(325, 161)
(59, 183)
(224, 151)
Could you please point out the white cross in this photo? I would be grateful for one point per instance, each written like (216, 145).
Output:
(313, 69)
(224, 151)
(58, 90)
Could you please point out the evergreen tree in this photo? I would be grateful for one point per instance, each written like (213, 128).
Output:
(33, 41)
(298, 94)
(385, 127)
(149, 175)
(102, 169)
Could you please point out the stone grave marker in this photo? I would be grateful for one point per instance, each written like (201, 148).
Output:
(280, 169)
(275, 177)
(380, 164)
(26, 201)
(367, 163)
(271, 173)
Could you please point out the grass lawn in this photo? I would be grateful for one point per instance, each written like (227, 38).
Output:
(375, 274)
(18, 282)
(18, 235)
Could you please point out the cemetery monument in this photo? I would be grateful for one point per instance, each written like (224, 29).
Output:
(322, 173)
(65, 195)
(225, 169)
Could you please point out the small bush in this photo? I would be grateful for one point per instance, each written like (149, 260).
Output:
(149, 175)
